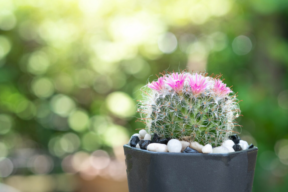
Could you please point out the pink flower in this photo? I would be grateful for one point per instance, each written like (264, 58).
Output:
(157, 85)
(197, 83)
(176, 81)
(220, 88)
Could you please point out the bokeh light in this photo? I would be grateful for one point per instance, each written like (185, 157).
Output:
(115, 135)
(242, 45)
(41, 164)
(121, 104)
(79, 120)
(5, 123)
(42, 87)
(5, 46)
(62, 105)
(167, 43)
(281, 149)
(283, 99)
(70, 142)
(90, 141)
(6, 167)
(100, 159)
(199, 14)
(38, 63)
(3, 150)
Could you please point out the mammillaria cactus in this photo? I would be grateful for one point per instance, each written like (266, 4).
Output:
(189, 116)
(190, 106)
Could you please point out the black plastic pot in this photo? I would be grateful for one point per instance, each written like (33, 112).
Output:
(189, 172)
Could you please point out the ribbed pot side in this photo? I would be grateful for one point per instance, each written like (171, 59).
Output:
(195, 172)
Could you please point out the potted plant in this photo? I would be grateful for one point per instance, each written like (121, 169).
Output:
(189, 143)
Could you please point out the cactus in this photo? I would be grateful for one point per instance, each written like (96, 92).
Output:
(189, 106)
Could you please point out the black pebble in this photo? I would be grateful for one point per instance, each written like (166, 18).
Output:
(134, 141)
(164, 141)
(155, 138)
(190, 150)
(144, 143)
(251, 146)
(235, 138)
(237, 147)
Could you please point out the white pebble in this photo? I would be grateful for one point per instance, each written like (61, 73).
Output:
(207, 149)
(142, 133)
(184, 145)
(157, 147)
(228, 143)
(244, 145)
(223, 149)
(174, 146)
(138, 146)
(230, 149)
(195, 145)
(147, 137)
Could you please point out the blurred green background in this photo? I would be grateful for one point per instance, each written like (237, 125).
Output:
(70, 73)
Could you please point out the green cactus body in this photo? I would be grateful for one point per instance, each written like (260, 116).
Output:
(204, 117)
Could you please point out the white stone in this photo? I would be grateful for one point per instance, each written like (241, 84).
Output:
(138, 146)
(244, 145)
(207, 149)
(195, 145)
(157, 147)
(174, 146)
(142, 133)
(222, 149)
(136, 134)
(147, 136)
(230, 149)
(184, 145)
(228, 143)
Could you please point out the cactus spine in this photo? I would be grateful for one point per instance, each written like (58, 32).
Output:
(194, 106)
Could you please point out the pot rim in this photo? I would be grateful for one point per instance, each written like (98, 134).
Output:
(254, 149)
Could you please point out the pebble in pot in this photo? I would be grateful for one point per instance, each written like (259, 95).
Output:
(157, 147)
(155, 138)
(134, 140)
(226, 147)
(142, 133)
(190, 150)
(136, 134)
(207, 149)
(147, 137)
(228, 143)
(174, 146)
(164, 141)
(244, 145)
(195, 145)
(235, 138)
(185, 144)
(223, 149)
(237, 147)
(251, 146)
(144, 143)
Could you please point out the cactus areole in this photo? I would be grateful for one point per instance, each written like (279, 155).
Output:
(190, 106)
